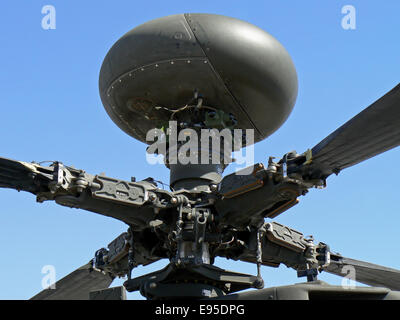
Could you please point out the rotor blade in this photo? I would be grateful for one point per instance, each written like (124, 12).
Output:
(77, 285)
(374, 130)
(365, 272)
(24, 176)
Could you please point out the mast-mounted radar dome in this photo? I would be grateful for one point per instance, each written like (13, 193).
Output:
(235, 67)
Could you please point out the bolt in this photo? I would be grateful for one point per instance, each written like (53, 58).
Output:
(153, 285)
(213, 187)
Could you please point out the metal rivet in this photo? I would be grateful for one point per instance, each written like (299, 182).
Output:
(153, 285)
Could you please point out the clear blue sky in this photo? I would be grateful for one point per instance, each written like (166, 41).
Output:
(51, 110)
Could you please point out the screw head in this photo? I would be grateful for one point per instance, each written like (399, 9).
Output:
(153, 285)
(152, 197)
(213, 187)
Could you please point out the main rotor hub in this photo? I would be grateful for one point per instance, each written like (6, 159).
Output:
(197, 144)
(185, 75)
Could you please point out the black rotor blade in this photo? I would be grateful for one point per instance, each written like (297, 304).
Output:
(374, 130)
(77, 285)
(365, 272)
(24, 176)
